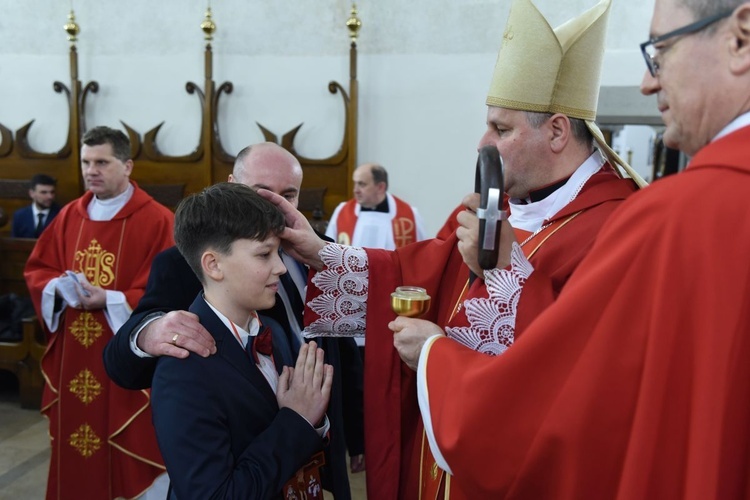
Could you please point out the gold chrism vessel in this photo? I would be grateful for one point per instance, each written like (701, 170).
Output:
(410, 301)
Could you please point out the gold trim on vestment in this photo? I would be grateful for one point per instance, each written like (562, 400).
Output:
(559, 226)
(125, 425)
(119, 253)
(428, 347)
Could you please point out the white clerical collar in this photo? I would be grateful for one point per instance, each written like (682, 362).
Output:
(531, 216)
(388, 202)
(736, 124)
(107, 209)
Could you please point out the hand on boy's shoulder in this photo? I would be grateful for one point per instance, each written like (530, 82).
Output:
(176, 334)
(306, 388)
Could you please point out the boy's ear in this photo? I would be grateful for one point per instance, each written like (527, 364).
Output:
(210, 261)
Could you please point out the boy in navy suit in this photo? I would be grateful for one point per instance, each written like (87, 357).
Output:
(236, 425)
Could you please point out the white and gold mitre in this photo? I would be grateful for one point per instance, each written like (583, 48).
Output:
(550, 71)
(547, 70)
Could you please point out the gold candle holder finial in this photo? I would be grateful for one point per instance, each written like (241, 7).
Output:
(353, 24)
(71, 27)
(208, 26)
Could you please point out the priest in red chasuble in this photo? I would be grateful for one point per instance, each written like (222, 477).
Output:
(562, 184)
(85, 273)
(635, 382)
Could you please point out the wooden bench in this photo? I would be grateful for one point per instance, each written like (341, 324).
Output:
(23, 357)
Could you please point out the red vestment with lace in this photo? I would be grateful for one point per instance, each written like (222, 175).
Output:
(634, 383)
(393, 428)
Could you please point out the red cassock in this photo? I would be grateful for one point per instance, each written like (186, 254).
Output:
(635, 383)
(393, 428)
(103, 442)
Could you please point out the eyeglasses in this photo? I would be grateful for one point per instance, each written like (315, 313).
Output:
(650, 52)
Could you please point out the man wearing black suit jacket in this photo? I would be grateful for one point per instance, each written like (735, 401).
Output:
(30, 221)
(160, 324)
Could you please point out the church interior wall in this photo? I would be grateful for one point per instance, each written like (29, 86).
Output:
(423, 70)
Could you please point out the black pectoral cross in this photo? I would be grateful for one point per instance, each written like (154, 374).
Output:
(490, 186)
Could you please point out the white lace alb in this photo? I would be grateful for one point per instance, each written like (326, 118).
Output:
(492, 320)
(342, 305)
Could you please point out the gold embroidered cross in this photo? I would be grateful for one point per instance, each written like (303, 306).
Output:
(85, 440)
(85, 386)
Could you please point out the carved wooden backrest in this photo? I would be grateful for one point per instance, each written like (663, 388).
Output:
(14, 194)
(13, 255)
(168, 195)
(327, 181)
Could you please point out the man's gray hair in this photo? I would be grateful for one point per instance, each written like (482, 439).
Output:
(379, 174)
(238, 170)
(705, 8)
(578, 127)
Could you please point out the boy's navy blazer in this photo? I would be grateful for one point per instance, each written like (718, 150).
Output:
(219, 427)
(172, 285)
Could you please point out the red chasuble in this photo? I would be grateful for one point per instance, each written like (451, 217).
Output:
(393, 428)
(635, 383)
(103, 442)
(555, 252)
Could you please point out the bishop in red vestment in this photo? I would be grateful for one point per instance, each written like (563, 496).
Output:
(541, 125)
(635, 382)
(103, 442)
(353, 293)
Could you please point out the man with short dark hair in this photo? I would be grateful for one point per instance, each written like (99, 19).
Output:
(374, 218)
(30, 221)
(86, 272)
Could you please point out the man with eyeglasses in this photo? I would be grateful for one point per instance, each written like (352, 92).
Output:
(635, 383)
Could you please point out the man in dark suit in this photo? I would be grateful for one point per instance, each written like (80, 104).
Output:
(30, 221)
(240, 423)
(160, 326)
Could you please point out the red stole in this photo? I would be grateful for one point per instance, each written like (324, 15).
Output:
(103, 441)
(403, 223)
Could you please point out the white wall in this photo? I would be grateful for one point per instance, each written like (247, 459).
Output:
(424, 69)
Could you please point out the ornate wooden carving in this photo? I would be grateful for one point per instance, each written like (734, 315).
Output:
(328, 179)
(20, 161)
